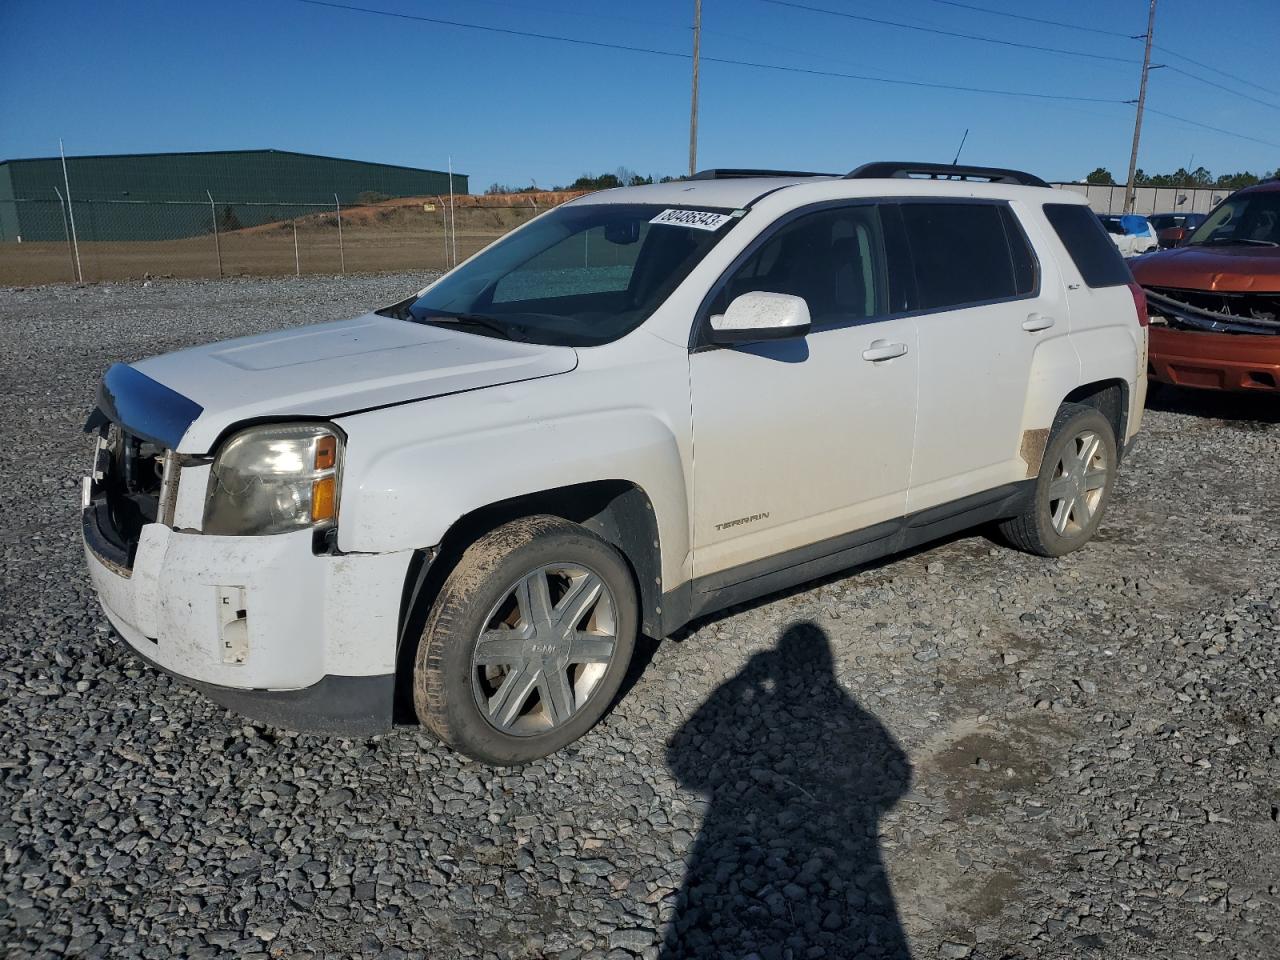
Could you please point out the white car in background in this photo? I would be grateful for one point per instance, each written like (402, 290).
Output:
(468, 504)
(1132, 234)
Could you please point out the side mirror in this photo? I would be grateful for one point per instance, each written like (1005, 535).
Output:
(760, 315)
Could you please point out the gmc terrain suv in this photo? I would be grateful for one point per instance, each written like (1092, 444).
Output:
(643, 406)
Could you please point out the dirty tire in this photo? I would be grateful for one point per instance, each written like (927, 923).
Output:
(1033, 530)
(443, 693)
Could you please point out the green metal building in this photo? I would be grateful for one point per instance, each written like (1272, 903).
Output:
(160, 196)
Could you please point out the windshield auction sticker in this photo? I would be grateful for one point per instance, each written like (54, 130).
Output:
(697, 219)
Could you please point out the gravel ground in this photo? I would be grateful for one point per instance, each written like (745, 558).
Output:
(963, 752)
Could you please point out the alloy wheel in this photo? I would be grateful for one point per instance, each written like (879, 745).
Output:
(1079, 481)
(544, 649)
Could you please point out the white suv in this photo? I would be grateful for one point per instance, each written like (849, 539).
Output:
(643, 406)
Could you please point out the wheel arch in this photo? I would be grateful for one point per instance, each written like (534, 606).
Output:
(1110, 398)
(620, 512)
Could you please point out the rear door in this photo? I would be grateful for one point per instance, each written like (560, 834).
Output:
(987, 304)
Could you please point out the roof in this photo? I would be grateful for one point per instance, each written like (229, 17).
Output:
(222, 153)
(738, 192)
(1269, 185)
(731, 194)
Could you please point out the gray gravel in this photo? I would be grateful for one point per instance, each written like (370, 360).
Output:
(966, 752)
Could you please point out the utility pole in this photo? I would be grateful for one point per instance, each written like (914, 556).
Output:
(693, 110)
(1142, 102)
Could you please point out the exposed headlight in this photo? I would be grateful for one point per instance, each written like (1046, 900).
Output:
(273, 479)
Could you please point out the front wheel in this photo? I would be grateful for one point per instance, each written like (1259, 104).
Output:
(1073, 488)
(527, 643)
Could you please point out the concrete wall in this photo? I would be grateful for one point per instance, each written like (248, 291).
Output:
(1149, 200)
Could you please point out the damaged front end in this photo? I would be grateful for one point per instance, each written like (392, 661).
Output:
(1214, 340)
(1214, 311)
(133, 482)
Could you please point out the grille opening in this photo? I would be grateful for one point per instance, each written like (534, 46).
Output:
(1261, 378)
(133, 476)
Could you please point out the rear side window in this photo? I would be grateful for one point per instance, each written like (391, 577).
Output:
(1092, 251)
(967, 253)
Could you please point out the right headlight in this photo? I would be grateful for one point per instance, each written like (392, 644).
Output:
(274, 479)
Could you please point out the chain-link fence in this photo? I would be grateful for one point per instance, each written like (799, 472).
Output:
(47, 240)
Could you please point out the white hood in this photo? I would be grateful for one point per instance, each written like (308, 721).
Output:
(330, 369)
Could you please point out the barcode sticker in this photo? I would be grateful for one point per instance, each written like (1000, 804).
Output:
(696, 219)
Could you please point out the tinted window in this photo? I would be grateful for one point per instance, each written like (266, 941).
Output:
(1092, 251)
(834, 259)
(967, 253)
(1026, 269)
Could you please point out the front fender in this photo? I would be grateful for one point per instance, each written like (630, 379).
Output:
(411, 472)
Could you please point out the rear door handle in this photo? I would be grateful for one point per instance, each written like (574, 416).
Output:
(1037, 321)
(883, 350)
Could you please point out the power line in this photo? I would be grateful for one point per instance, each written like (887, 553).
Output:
(1126, 36)
(725, 60)
(1020, 16)
(951, 33)
(909, 83)
(593, 15)
(1205, 126)
(774, 66)
(503, 30)
(1232, 76)
(1213, 83)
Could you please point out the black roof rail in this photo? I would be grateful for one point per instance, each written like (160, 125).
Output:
(888, 169)
(735, 173)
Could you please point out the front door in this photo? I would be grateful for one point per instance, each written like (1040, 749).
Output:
(801, 440)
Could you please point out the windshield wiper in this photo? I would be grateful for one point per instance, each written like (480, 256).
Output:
(1223, 241)
(506, 331)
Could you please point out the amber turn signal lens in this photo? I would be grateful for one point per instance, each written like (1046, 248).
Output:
(323, 499)
(326, 453)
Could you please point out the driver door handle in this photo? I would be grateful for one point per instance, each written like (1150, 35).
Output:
(883, 350)
(1037, 321)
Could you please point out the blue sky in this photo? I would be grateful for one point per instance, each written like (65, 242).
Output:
(146, 75)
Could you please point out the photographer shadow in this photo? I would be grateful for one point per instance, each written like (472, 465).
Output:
(798, 776)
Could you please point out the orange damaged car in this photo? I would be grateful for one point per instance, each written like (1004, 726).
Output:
(1215, 300)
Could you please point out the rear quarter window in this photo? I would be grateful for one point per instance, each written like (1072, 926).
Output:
(968, 253)
(1086, 240)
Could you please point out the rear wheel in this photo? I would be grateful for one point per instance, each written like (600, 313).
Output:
(1073, 487)
(527, 643)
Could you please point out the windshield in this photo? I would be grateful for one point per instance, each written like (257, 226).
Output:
(581, 275)
(1251, 219)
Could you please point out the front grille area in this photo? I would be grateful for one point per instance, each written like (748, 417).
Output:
(1251, 306)
(132, 486)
